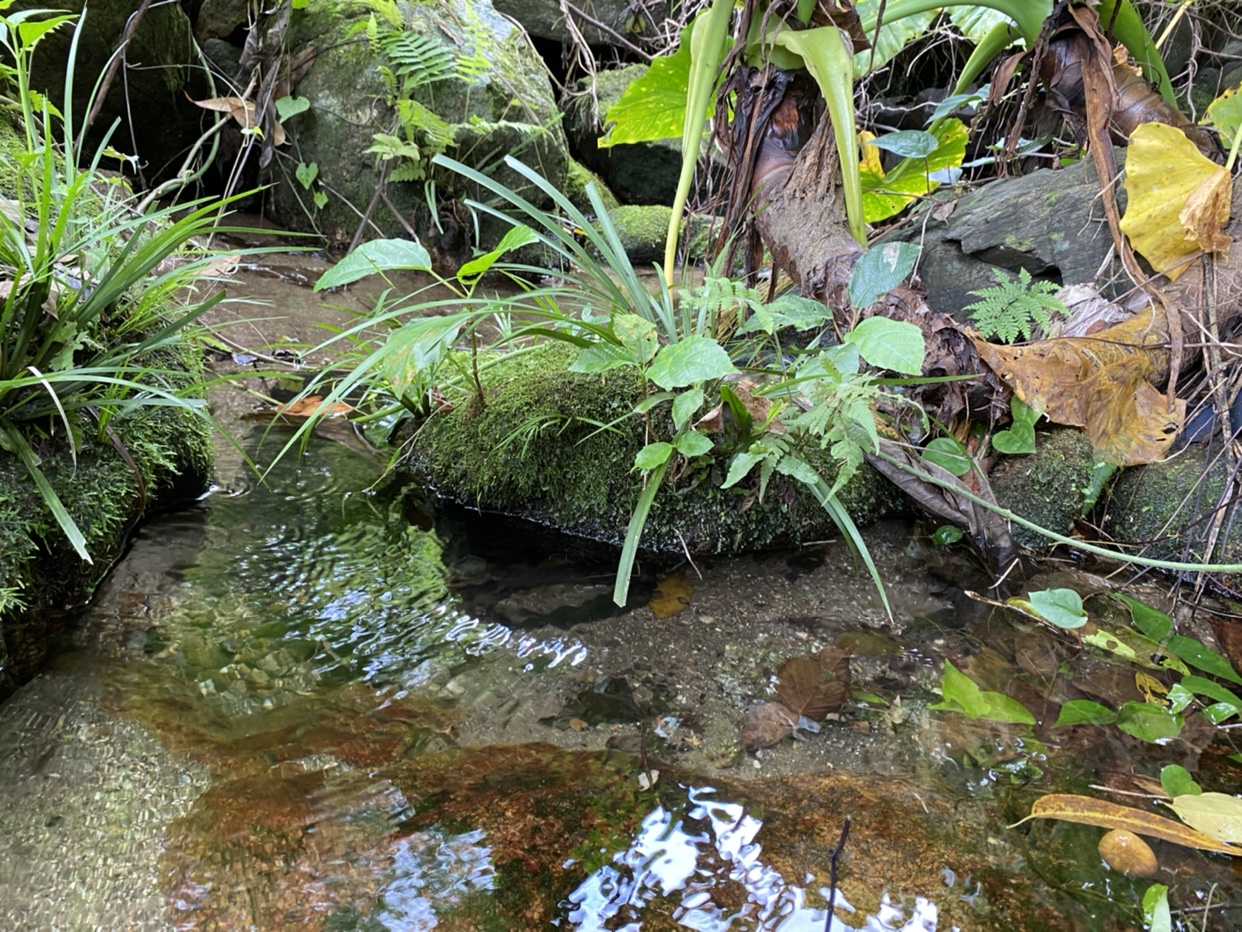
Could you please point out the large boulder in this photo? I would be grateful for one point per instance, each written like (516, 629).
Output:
(501, 104)
(151, 94)
(599, 22)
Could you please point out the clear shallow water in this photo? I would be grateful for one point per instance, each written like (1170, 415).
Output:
(319, 702)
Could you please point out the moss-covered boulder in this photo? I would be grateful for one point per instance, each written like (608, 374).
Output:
(1048, 487)
(558, 448)
(146, 460)
(644, 229)
(500, 103)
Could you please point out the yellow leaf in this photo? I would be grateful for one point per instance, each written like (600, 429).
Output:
(1215, 814)
(1163, 171)
(1151, 688)
(1104, 814)
(870, 154)
(671, 596)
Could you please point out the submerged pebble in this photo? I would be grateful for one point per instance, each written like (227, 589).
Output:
(1125, 852)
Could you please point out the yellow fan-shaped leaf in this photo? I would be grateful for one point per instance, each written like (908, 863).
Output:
(1177, 200)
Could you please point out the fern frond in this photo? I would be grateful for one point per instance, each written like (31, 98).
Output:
(418, 60)
(1013, 308)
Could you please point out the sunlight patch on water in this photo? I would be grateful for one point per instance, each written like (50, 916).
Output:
(669, 859)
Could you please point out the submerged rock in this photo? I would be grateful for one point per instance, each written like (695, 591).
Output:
(1125, 852)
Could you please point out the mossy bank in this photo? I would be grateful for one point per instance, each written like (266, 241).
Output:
(558, 448)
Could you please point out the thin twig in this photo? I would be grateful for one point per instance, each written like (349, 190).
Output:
(131, 26)
(686, 551)
(832, 889)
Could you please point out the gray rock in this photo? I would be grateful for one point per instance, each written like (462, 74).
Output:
(216, 19)
(622, 19)
(508, 109)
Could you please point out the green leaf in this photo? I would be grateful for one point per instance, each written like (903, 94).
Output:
(321, 199)
(692, 443)
(31, 31)
(16, 443)
(1177, 781)
(879, 270)
(740, 467)
(1225, 112)
(947, 534)
(1179, 698)
(653, 106)
(1062, 607)
(652, 455)
(962, 695)
(887, 194)
(1156, 913)
(975, 22)
(1202, 657)
(652, 400)
(797, 468)
(791, 310)
(948, 454)
(1210, 688)
(1148, 722)
(287, 107)
(1020, 437)
(1219, 712)
(306, 173)
(889, 344)
(895, 35)
(378, 255)
(638, 334)
(1152, 622)
(602, 356)
(908, 143)
(691, 359)
(1084, 712)
(1135, 648)
(685, 406)
(516, 237)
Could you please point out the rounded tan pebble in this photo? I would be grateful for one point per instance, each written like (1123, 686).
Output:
(1125, 852)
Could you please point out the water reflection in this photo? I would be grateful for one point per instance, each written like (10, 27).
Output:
(690, 859)
(433, 870)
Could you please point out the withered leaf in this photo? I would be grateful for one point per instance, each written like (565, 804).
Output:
(766, 725)
(672, 595)
(1104, 814)
(814, 686)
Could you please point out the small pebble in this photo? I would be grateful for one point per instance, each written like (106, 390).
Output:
(1125, 852)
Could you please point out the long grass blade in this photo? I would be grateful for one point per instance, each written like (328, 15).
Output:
(634, 533)
(17, 443)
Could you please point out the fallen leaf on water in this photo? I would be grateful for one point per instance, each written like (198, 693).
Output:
(672, 595)
(1177, 199)
(1087, 810)
(1101, 383)
(766, 725)
(1216, 814)
(814, 686)
(301, 409)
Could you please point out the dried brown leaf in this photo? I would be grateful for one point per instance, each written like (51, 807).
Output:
(814, 686)
(766, 725)
(1087, 810)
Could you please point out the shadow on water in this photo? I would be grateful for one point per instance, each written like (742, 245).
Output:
(323, 702)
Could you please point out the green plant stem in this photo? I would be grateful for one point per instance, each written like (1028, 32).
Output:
(1009, 515)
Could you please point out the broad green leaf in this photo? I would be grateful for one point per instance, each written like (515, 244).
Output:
(1062, 607)
(975, 22)
(287, 107)
(689, 360)
(1179, 698)
(1148, 722)
(1156, 912)
(1202, 686)
(1152, 622)
(1177, 781)
(789, 310)
(638, 334)
(895, 35)
(692, 443)
(32, 30)
(515, 238)
(1202, 657)
(740, 467)
(889, 344)
(960, 694)
(601, 356)
(1217, 815)
(797, 468)
(653, 106)
(908, 143)
(948, 454)
(1219, 712)
(1086, 810)
(1002, 708)
(947, 534)
(306, 173)
(1084, 712)
(379, 255)
(1225, 112)
(887, 194)
(685, 406)
(415, 347)
(653, 454)
(1020, 437)
(652, 400)
(879, 270)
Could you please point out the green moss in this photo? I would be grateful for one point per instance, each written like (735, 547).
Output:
(535, 450)
(644, 228)
(1047, 486)
(576, 181)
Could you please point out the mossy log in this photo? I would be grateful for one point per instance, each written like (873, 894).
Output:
(558, 448)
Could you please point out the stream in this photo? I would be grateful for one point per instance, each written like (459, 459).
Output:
(325, 700)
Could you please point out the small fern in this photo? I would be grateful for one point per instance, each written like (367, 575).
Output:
(1015, 306)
